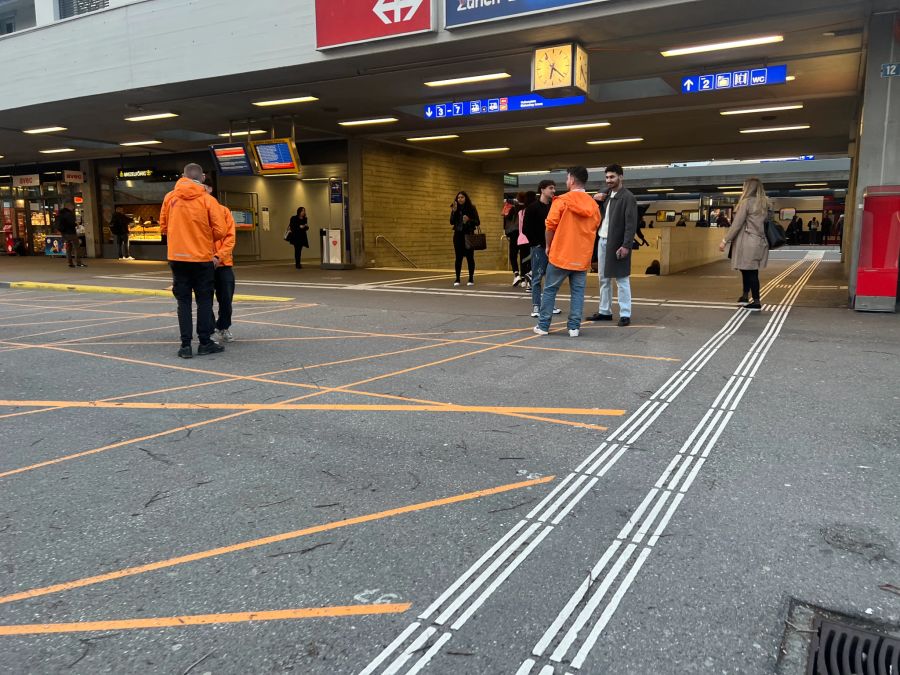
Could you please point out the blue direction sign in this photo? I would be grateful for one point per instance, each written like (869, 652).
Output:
(497, 105)
(465, 12)
(745, 77)
(890, 69)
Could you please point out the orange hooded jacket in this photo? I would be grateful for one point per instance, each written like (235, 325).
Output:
(574, 219)
(225, 247)
(193, 221)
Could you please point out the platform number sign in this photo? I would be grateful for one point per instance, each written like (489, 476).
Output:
(890, 69)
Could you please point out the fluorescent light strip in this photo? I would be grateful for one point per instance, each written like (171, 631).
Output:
(286, 101)
(152, 116)
(764, 130)
(816, 189)
(467, 80)
(43, 130)
(770, 108)
(573, 127)
(730, 187)
(660, 189)
(636, 139)
(790, 78)
(477, 151)
(55, 151)
(422, 139)
(718, 46)
(529, 173)
(374, 120)
(810, 184)
(314, 180)
(131, 143)
(252, 132)
(739, 192)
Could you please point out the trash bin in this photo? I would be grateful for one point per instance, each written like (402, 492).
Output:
(333, 250)
(879, 251)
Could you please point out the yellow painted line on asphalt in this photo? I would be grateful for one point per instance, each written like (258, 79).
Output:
(342, 407)
(204, 619)
(274, 539)
(122, 290)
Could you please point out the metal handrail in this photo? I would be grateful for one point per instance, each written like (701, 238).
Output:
(399, 252)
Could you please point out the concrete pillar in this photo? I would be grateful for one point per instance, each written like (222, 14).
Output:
(91, 213)
(877, 160)
(46, 11)
(355, 192)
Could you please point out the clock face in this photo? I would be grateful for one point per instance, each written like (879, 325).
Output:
(582, 75)
(553, 67)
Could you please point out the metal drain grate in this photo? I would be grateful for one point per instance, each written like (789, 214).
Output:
(839, 649)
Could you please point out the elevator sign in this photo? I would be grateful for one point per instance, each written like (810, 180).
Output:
(348, 22)
(734, 79)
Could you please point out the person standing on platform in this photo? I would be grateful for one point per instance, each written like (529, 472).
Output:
(813, 230)
(620, 216)
(223, 275)
(722, 220)
(511, 220)
(299, 227)
(193, 223)
(747, 236)
(571, 230)
(827, 224)
(118, 225)
(68, 228)
(534, 228)
(464, 219)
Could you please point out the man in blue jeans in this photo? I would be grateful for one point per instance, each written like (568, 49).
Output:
(533, 227)
(571, 231)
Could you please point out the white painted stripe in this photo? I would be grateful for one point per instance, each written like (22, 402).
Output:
(400, 639)
(734, 404)
(603, 458)
(684, 384)
(435, 648)
(409, 651)
(697, 429)
(550, 510)
(673, 507)
(565, 481)
(634, 419)
(571, 505)
(664, 393)
(646, 425)
(690, 479)
(636, 516)
(572, 634)
(469, 572)
(684, 467)
(722, 393)
(611, 462)
(526, 667)
(592, 637)
(739, 381)
(547, 670)
(489, 591)
(485, 575)
(706, 432)
(648, 521)
(665, 474)
(590, 457)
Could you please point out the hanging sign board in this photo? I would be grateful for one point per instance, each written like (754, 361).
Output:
(128, 174)
(30, 180)
(73, 176)
(277, 156)
(465, 12)
(348, 22)
(232, 159)
(336, 190)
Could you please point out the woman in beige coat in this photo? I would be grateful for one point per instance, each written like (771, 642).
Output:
(747, 236)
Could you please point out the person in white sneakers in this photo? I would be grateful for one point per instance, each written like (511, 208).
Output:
(534, 229)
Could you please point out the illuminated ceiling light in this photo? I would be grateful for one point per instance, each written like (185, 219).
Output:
(739, 192)
(251, 132)
(660, 189)
(422, 139)
(811, 184)
(770, 108)
(730, 187)
(467, 80)
(573, 127)
(718, 46)
(55, 151)
(790, 78)
(373, 120)
(478, 151)
(607, 141)
(286, 101)
(529, 173)
(131, 143)
(314, 180)
(43, 130)
(152, 116)
(765, 130)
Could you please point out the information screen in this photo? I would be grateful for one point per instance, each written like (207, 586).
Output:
(277, 156)
(232, 159)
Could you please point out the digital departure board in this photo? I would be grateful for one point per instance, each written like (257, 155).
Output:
(277, 156)
(232, 159)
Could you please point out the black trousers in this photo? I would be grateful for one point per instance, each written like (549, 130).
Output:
(517, 255)
(122, 246)
(751, 283)
(197, 279)
(298, 251)
(224, 285)
(459, 247)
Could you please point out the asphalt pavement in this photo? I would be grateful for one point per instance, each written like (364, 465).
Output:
(386, 474)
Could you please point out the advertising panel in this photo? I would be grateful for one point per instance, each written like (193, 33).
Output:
(232, 159)
(29, 180)
(465, 12)
(347, 22)
(277, 156)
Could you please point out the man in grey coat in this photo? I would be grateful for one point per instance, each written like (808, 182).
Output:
(619, 225)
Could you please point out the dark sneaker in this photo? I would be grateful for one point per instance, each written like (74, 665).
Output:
(186, 352)
(743, 299)
(71, 265)
(209, 348)
(600, 317)
(753, 306)
(624, 321)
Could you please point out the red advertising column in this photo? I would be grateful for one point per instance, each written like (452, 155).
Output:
(877, 286)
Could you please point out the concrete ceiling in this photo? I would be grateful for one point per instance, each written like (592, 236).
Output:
(623, 48)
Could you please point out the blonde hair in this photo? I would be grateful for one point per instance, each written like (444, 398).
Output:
(755, 196)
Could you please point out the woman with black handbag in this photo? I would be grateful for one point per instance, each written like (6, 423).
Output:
(747, 236)
(298, 228)
(464, 219)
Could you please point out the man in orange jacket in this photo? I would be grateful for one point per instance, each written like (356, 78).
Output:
(571, 230)
(223, 259)
(193, 222)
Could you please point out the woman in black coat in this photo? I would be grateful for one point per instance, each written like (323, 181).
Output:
(299, 238)
(464, 219)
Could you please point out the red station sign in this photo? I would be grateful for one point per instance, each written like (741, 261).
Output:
(347, 22)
